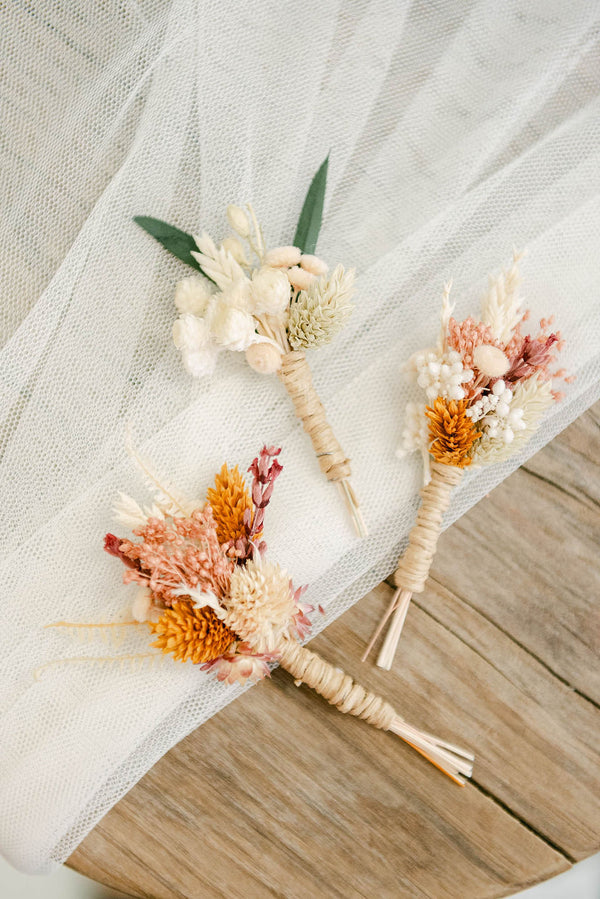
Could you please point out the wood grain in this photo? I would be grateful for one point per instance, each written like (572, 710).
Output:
(279, 795)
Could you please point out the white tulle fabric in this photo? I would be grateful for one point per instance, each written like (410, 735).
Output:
(456, 131)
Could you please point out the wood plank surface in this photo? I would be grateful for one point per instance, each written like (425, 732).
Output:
(280, 795)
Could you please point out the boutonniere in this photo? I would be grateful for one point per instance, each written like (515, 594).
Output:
(487, 386)
(209, 596)
(270, 304)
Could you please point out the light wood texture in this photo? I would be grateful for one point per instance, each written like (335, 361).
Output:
(280, 795)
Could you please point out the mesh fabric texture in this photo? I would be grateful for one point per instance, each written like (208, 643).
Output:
(456, 131)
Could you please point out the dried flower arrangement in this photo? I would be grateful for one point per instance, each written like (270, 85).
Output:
(487, 387)
(210, 597)
(271, 305)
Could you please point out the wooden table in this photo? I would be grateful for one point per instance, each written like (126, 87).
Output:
(280, 795)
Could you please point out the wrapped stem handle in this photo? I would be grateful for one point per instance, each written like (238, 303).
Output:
(297, 378)
(413, 568)
(333, 462)
(340, 690)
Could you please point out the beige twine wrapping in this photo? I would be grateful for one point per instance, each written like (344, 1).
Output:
(335, 686)
(413, 569)
(297, 378)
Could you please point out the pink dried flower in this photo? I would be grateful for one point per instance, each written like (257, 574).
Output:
(179, 551)
(465, 336)
(241, 665)
(264, 473)
(534, 357)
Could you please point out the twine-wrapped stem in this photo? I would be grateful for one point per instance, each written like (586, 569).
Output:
(335, 465)
(414, 566)
(340, 690)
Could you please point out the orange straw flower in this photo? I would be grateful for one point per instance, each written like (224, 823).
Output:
(451, 431)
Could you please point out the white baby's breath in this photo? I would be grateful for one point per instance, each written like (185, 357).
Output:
(440, 373)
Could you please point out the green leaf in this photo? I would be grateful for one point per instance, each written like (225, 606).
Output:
(175, 241)
(309, 223)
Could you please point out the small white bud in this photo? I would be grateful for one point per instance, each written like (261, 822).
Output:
(300, 279)
(498, 388)
(283, 257)
(238, 220)
(434, 368)
(502, 409)
(314, 265)
(264, 358)
(509, 435)
(490, 360)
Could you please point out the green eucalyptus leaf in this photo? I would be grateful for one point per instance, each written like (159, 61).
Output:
(309, 223)
(173, 239)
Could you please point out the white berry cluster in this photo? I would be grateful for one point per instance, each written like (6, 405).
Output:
(497, 420)
(415, 435)
(441, 374)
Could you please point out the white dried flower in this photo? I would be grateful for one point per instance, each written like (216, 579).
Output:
(317, 314)
(490, 360)
(238, 295)
(233, 246)
(440, 373)
(200, 363)
(192, 295)
(299, 278)
(270, 291)
(283, 257)
(231, 328)
(238, 220)
(260, 606)
(313, 264)
(190, 332)
(264, 357)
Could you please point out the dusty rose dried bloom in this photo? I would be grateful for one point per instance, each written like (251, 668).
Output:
(534, 356)
(179, 551)
(265, 470)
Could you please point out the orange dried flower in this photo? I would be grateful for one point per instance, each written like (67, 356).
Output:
(229, 499)
(451, 431)
(192, 634)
